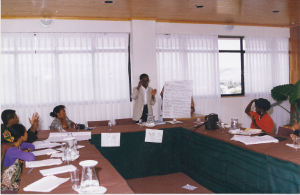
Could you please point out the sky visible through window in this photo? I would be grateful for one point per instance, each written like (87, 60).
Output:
(230, 66)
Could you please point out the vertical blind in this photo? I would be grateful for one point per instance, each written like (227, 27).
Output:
(86, 72)
(266, 66)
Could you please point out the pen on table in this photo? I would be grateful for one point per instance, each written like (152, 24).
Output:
(29, 171)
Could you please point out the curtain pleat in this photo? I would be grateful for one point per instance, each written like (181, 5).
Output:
(191, 57)
(86, 72)
(266, 66)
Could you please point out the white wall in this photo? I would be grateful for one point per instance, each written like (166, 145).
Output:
(143, 45)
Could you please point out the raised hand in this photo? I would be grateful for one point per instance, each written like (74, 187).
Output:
(35, 117)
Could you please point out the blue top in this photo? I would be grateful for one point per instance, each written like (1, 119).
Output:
(14, 153)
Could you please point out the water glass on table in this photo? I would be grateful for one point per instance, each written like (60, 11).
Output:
(77, 127)
(59, 128)
(296, 142)
(75, 179)
(198, 121)
(222, 127)
(140, 122)
(174, 121)
(110, 125)
(218, 125)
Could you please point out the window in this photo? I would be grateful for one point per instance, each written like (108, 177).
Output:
(86, 72)
(231, 65)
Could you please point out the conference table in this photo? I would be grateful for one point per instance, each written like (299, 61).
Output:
(207, 156)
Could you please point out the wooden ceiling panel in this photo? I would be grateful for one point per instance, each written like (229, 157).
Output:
(236, 12)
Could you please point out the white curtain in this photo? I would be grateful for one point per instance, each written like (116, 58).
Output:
(86, 72)
(191, 57)
(266, 66)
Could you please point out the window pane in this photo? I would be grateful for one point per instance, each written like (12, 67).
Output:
(230, 73)
(229, 43)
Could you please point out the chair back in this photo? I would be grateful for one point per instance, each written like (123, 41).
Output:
(97, 123)
(284, 131)
(125, 121)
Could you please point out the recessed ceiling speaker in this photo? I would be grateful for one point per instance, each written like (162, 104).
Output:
(46, 22)
(228, 27)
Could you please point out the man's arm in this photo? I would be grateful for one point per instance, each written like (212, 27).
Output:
(135, 93)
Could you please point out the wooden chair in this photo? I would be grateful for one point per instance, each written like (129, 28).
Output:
(125, 121)
(284, 131)
(97, 123)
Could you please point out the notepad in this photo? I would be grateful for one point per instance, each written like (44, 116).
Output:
(44, 152)
(42, 163)
(249, 140)
(46, 184)
(58, 170)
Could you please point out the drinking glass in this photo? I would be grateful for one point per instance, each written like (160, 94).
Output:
(198, 120)
(174, 120)
(75, 179)
(140, 122)
(218, 125)
(67, 156)
(222, 127)
(77, 127)
(59, 128)
(296, 142)
(110, 125)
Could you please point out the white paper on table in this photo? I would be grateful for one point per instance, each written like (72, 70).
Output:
(78, 147)
(59, 137)
(44, 144)
(189, 187)
(293, 146)
(57, 155)
(172, 122)
(177, 99)
(42, 163)
(153, 135)
(249, 131)
(58, 170)
(248, 140)
(46, 184)
(44, 152)
(110, 139)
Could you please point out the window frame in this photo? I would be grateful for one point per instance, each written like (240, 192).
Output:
(242, 52)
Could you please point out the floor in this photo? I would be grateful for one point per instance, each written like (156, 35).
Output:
(161, 184)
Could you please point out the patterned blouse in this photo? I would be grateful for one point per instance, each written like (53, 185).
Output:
(56, 123)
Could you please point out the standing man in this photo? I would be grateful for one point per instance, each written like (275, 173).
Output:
(9, 118)
(144, 97)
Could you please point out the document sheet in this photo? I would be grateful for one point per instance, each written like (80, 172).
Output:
(177, 99)
(110, 139)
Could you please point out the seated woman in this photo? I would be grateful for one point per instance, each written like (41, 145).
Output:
(192, 101)
(61, 119)
(260, 119)
(12, 156)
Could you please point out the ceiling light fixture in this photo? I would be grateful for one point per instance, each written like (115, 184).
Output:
(275, 11)
(108, 2)
(229, 28)
(199, 6)
(46, 22)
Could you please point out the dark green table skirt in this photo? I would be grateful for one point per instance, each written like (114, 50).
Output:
(219, 166)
